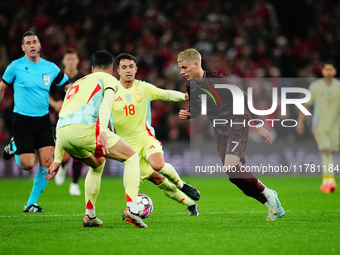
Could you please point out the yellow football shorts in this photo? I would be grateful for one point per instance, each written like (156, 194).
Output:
(80, 141)
(327, 140)
(147, 146)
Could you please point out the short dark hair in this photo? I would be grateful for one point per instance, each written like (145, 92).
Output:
(102, 59)
(328, 62)
(125, 56)
(27, 33)
(71, 51)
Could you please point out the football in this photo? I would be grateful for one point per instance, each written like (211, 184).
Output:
(145, 206)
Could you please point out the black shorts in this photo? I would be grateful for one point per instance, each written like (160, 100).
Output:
(32, 133)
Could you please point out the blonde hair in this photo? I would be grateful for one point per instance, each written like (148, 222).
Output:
(191, 55)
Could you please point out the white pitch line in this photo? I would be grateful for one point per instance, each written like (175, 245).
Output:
(169, 213)
(46, 215)
(232, 212)
(255, 212)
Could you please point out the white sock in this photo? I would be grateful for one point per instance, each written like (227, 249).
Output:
(266, 192)
(267, 204)
(91, 212)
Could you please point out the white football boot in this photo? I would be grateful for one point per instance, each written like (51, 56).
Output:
(273, 203)
(74, 189)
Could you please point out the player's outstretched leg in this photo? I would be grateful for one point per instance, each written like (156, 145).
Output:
(169, 172)
(92, 187)
(174, 193)
(191, 191)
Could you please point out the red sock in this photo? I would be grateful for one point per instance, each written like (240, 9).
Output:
(89, 205)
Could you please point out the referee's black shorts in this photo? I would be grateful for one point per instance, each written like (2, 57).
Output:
(32, 133)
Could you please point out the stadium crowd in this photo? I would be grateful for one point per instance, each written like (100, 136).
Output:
(243, 39)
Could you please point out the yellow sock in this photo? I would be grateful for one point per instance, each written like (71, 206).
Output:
(327, 166)
(171, 191)
(92, 187)
(131, 178)
(169, 172)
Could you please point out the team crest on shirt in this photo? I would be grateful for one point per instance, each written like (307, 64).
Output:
(47, 79)
(138, 95)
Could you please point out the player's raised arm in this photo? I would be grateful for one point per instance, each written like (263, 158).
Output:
(164, 94)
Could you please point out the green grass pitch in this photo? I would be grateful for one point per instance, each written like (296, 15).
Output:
(230, 223)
